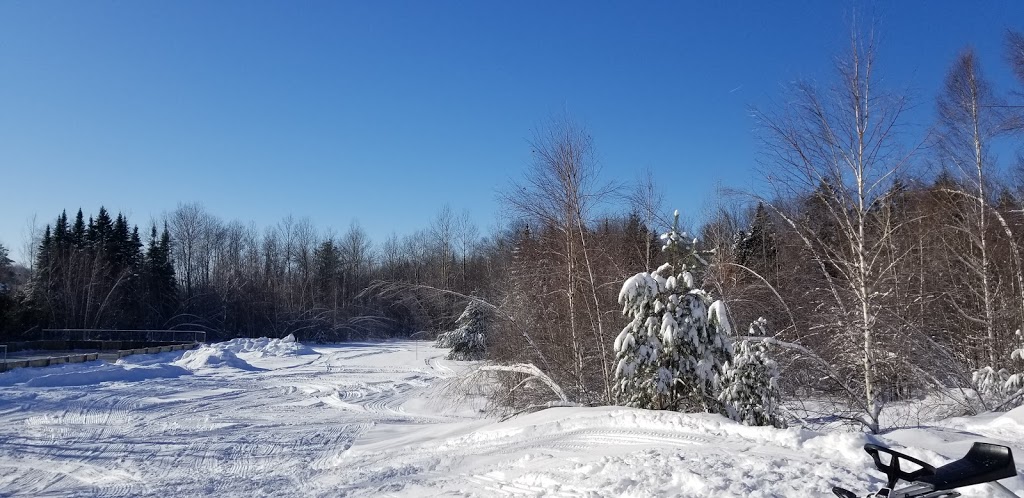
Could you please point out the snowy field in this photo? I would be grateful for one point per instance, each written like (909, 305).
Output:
(272, 418)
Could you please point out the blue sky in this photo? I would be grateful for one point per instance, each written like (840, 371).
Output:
(383, 112)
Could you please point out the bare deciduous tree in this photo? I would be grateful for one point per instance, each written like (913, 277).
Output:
(442, 233)
(558, 193)
(467, 234)
(839, 147)
(648, 201)
(970, 117)
(1015, 53)
(187, 224)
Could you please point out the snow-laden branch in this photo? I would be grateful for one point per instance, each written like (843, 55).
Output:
(530, 370)
(383, 286)
(792, 319)
(817, 359)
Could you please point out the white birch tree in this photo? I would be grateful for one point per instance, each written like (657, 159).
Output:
(838, 147)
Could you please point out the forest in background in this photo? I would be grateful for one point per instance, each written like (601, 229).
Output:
(886, 266)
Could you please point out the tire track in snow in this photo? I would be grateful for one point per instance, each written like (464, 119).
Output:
(436, 363)
(508, 488)
(586, 439)
(37, 477)
(576, 439)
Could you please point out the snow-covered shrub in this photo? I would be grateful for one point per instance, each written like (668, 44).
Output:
(469, 340)
(990, 383)
(444, 339)
(750, 382)
(670, 354)
(1000, 387)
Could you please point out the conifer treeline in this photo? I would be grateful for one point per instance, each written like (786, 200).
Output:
(97, 274)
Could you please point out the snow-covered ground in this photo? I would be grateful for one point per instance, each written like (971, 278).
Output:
(273, 418)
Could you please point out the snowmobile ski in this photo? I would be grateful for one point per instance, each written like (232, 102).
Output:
(984, 463)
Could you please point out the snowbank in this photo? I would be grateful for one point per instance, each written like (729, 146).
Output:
(1012, 417)
(84, 374)
(226, 354)
(213, 356)
(264, 346)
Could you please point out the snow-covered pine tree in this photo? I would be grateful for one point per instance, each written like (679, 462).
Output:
(469, 339)
(680, 250)
(5, 272)
(750, 389)
(670, 355)
(699, 348)
(700, 351)
(640, 379)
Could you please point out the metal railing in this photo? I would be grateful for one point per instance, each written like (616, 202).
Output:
(123, 335)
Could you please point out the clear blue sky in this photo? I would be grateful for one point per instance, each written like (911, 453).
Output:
(384, 111)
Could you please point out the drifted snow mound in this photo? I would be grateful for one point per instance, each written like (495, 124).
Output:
(1014, 416)
(225, 354)
(91, 373)
(263, 346)
(213, 356)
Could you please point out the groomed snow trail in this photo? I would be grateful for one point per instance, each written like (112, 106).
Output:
(275, 418)
(239, 424)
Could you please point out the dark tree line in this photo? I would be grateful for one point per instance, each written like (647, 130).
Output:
(229, 279)
(97, 274)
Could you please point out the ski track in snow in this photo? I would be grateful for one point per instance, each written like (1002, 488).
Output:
(375, 419)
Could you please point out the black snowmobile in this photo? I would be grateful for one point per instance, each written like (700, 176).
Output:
(983, 463)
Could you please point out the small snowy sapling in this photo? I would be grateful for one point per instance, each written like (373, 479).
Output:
(1001, 388)
(750, 383)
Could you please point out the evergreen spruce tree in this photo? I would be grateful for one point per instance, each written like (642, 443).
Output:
(750, 390)
(5, 265)
(41, 275)
(134, 250)
(671, 354)
(158, 278)
(327, 264)
(117, 245)
(636, 235)
(100, 230)
(758, 248)
(78, 231)
(469, 339)
(7, 301)
(641, 381)
(133, 285)
(680, 250)
(90, 233)
(42, 263)
(61, 235)
(44, 281)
